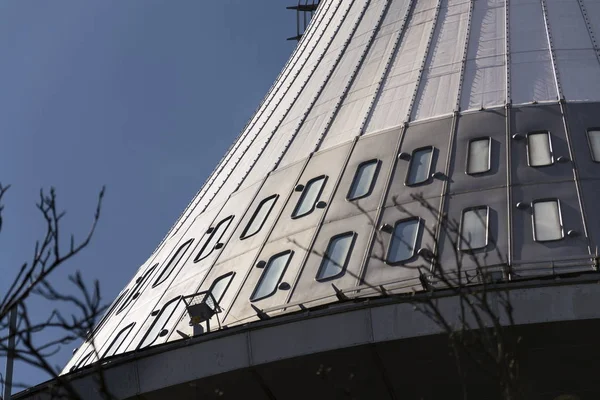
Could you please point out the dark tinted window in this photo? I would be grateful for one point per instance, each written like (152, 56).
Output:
(364, 180)
(260, 215)
(336, 256)
(419, 170)
(403, 241)
(173, 262)
(271, 276)
(310, 197)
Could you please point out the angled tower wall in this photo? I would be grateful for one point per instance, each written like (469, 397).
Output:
(486, 110)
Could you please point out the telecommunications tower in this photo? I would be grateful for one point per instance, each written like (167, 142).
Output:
(401, 137)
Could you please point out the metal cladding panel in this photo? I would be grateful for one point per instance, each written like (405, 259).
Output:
(486, 124)
(279, 183)
(240, 266)
(307, 289)
(205, 252)
(531, 71)
(319, 119)
(379, 147)
(435, 134)
(286, 131)
(578, 66)
(299, 244)
(329, 164)
(495, 252)
(394, 101)
(581, 118)
(529, 254)
(405, 276)
(439, 85)
(356, 105)
(279, 99)
(591, 199)
(528, 120)
(484, 83)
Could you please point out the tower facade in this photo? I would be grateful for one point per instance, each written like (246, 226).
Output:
(389, 116)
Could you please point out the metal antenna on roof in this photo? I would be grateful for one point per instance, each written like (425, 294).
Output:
(304, 12)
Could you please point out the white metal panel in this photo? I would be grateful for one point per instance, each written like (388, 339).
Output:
(396, 93)
(576, 59)
(348, 121)
(276, 140)
(579, 74)
(484, 82)
(337, 86)
(271, 114)
(592, 9)
(531, 72)
(439, 85)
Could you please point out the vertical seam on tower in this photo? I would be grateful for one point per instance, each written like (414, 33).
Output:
(463, 65)
(326, 80)
(590, 29)
(575, 173)
(350, 81)
(507, 145)
(246, 130)
(386, 68)
(507, 50)
(561, 102)
(551, 50)
(453, 132)
(444, 194)
(424, 61)
(317, 63)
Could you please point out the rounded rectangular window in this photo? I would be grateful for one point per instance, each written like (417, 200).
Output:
(547, 220)
(214, 238)
(135, 292)
(113, 307)
(403, 242)
(419, 170)
(259, 217)
(173, 262)
(175, 308)
(594, 141)
(474, 228)
(310, 196)
(539, 149)
(219, 286)
(271, 276)
(364, 180)
(118, 341)
(336, 256)
(478, 158)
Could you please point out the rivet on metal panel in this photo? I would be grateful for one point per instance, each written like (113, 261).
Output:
(387, 228)
(404, 156)
(522, 205)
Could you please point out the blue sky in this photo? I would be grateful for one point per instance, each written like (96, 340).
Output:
(143, 96)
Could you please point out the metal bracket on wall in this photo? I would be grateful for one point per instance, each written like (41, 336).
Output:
(304, 12)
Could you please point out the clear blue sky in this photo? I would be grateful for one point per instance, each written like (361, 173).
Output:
(143, 96)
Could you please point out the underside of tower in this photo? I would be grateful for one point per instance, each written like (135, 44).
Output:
(402, 137)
